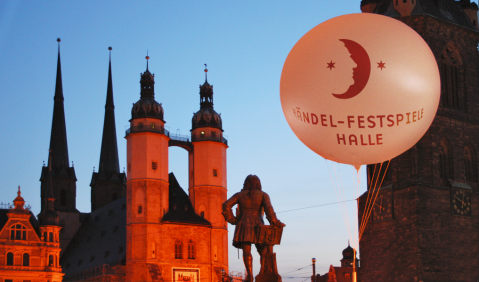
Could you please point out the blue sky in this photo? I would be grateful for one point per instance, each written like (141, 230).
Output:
(244, 43)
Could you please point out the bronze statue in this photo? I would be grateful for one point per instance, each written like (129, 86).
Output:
(250, 228)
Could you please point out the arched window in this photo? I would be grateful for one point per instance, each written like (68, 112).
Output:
(50, 237)
(375, 176)
(9, 258)
(63, 197)
(18, 232)
(191, 250)
(178, 247)
(50, 260)
(446, 170)
(45, 236)
(451, 77)
(470, 167)
(26, 259)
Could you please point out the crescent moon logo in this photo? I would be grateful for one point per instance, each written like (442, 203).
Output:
(360, 73)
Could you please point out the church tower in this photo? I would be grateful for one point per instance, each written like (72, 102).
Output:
(147, 180)
(58, 178)
(63, 176)
(207, 171)
(425, 223)
(108, 184)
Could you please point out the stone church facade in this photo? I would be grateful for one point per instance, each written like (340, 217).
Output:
(427, 228)
(143, 226)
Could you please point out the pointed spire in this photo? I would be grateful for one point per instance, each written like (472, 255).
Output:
(109, 150)
(109, 90)
(58, 139)
(59, 85)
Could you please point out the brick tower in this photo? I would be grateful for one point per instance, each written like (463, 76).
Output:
(207, 175)
(147, 181)
(425, 224)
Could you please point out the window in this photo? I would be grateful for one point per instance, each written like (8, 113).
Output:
(191, 250)
(9, 258)
(50, 235)
(451, 77)
(213, 134)
(140, 125)
(154, 165)
(140, 209)
(446, 170)
(203, 214)
(45, 236)
(375, 177)
(18, 232)
(215, 172)
(178, 254)
(26, 259)
(470, 168)
(153, 125)
(50, 261)
(202, 134)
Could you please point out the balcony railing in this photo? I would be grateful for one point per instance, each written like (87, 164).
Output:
(203, 137)
(147, 128)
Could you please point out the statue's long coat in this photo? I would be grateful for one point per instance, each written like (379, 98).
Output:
(251, 205)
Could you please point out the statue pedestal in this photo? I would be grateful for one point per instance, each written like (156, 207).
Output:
(269, 270)
(268, 236)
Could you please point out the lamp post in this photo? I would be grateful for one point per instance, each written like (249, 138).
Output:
(314, 269)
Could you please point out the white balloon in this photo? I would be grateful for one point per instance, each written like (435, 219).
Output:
(360, 88)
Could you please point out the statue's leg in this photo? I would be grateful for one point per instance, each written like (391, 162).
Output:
(248, 261)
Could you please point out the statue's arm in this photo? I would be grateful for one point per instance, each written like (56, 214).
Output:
(227, 209)
(270, 214)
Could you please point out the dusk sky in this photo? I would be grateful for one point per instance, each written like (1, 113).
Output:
(244, 43)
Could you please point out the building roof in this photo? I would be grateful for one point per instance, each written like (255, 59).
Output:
(102, 237)
(100, 240)
(180, 209)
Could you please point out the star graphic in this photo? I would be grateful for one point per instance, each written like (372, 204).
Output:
(381, 65)
(331, 65)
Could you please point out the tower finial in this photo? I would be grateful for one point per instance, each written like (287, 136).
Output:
(147, 58)
(19, 192)
(59, 40)
(109, 48)
(206, 72)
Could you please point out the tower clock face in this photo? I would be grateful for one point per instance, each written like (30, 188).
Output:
(382, 209)
(461, 202)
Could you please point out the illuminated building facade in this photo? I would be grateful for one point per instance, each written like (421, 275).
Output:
(29, 249)
(425, 223)
(143, 226)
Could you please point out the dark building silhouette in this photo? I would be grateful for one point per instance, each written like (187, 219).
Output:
(429, 228)
(108, 184)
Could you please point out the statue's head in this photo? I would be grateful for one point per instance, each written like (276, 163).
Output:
(252, 183)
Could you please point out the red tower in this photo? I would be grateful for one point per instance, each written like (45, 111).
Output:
(147, 181)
